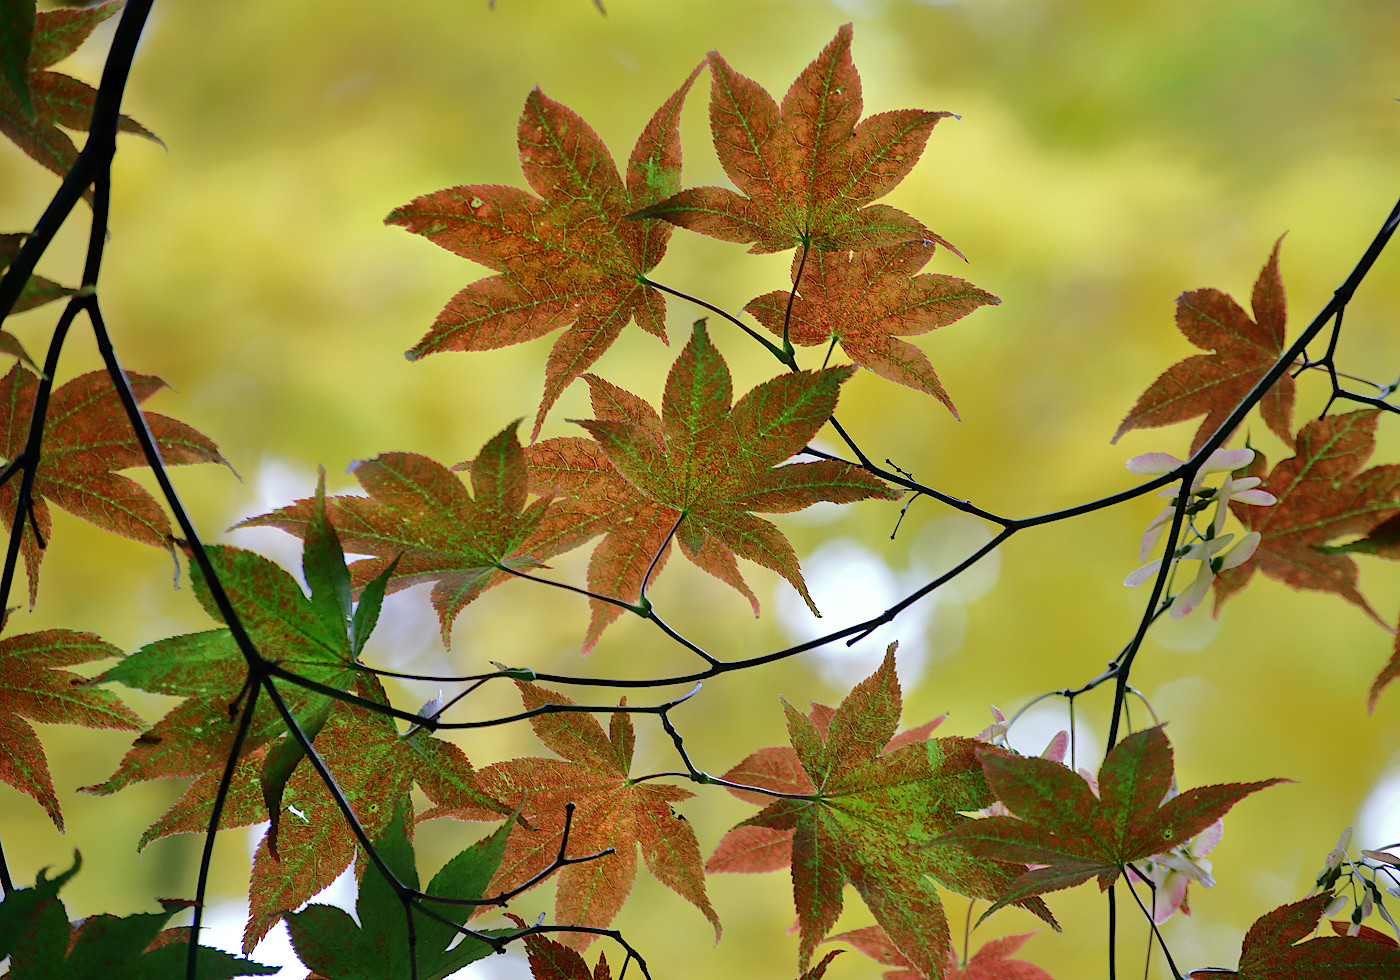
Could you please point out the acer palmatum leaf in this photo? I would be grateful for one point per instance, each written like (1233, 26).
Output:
(808, 170)
(992, 962)
(568, 258)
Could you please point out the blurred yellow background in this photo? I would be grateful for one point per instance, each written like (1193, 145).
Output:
(1109, 156)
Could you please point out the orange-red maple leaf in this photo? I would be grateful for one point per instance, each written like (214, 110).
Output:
(1323, 494)
(1071, 833)
(809, 169)
(867, 300)
(35, 687)
(991, 962)
(56, 99)
(1243, 351)
(863, 806)
(700, 468)
(87, 438)
(568, 258)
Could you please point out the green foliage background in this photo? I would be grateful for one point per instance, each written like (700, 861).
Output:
(1109, 157)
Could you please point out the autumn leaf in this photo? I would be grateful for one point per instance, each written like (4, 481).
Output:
(859, 810)
(612, 810)
(36, 292)
(808, 169)
(1323, 494)
(36, 687)
(1272, 950)
(86, 439)
(39, 940)
(550, 960)
(699, 468)
(867, 300)
(567, 258)
(991, 962)
(31, 119)
(420, 519)
(1060, 823)
(1242, 352)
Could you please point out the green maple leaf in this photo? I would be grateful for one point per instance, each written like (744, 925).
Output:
(36, 102)
(808, 169)
(568, 258)
(43, 945)
(867, 300)
(874, 810)
(36, 688)
(1059, 822)
(700, 467)
(1272, 950)
(425, 527)
(380, 946)
(87, 438)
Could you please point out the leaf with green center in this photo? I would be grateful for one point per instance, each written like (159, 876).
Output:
(700, 468)
(877, 805)
(568, 258)
(808, 170)
(1059, 823)
(87, 438)
(1272, 950)
(36, 687)
(420, 520)
(31, 119)
(1242, 352)
(611, 811)
(867, 300)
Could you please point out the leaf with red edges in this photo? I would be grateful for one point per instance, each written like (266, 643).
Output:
(1272, 950)
(809, 169)
(1074, 835)
(567, 258)
(1242, 352)
(867, 300)
(863, 812)
(36, 687)
(611, 811)
(87, 438)
(699, 468)
(1323, 494)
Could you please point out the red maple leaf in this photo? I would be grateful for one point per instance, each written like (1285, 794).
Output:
(37, 688)
(568, 258)
(991, 962)
(867, 300)
(612, 810)
(809, 169)
(699, 468)
(1060, 824)
(1323, 494)
(31, 118)
(87, 437)
(863, 807)
(1272, 951)
(1243, 351)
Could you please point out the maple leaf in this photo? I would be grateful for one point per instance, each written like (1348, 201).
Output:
(1059, 823)
(36, 688)
(1323, 494)
(550, 960)
(36, 292)
(700, 467)
(32, 111)
(567, 258)
(866, 814)
(40, 941)
(611, 811)
(1272, 951)
(1243, 351)
(809, 169)
(867, 300)
(1388, 673)
(419, 519)
(991, 962)
(86, 439)
(382, 945)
